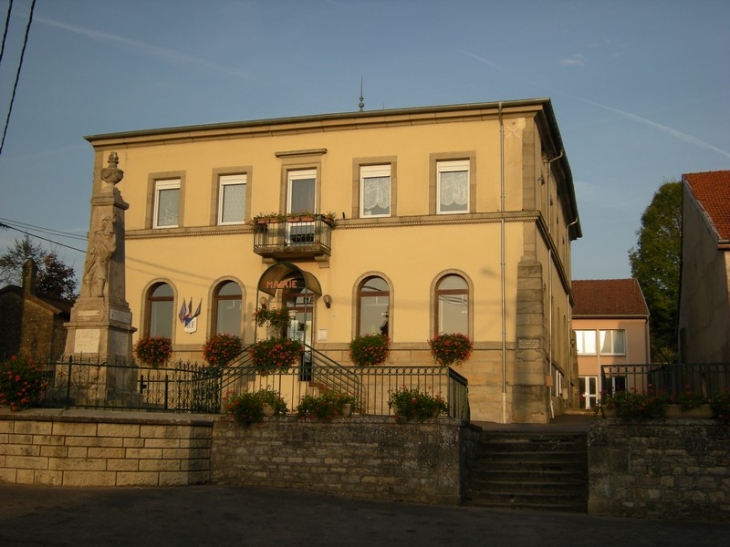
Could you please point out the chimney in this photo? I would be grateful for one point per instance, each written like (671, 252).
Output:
(30, 274)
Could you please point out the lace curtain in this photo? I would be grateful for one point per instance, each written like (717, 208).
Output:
(376, 193)
(454, 188)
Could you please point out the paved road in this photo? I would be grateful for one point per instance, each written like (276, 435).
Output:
(222, 515)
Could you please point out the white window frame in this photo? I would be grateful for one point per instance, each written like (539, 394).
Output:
(581, 342)
(223, 182)
(161, 186)
(612, 334)
(450, 167)
(372, 172)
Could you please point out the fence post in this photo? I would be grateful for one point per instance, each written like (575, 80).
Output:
(68, 383)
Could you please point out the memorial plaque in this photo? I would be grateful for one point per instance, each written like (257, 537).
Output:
(86, 341)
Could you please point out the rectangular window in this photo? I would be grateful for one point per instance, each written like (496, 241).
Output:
(613, 342)
(374, 191)
(232, 199)
(452, 187)
(585, 341)
(167, 203)
(302, 185)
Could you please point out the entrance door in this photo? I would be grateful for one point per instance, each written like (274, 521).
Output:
(300, 302)
(589, 392)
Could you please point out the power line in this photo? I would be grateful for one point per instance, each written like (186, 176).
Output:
(3, 225)
(5, 32)
(17, 75)
(42, 229)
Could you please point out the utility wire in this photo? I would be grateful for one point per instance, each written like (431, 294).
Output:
(17, 75)
(5, 32)
(3, 225)
(42, 229)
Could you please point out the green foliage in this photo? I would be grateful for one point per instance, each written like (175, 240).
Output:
(720, 404)
(655, 263)
(55, 279)
(21, 383)
(631, 406)
(412, 404)
(275, 318)
(248, 408)
(325, 406)
(370, 349)
(153, 351)
(220, 349)
(690, 399)
(450, 348)
(275, 354)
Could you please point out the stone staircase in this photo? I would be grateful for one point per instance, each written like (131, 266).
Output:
(536, 470)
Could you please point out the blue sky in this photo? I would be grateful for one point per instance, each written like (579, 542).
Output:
(640, 88)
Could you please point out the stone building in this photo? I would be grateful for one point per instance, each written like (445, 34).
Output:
(410, 222)
(31, 323)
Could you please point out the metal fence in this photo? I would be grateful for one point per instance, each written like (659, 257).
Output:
(191, 387)
(671, 380)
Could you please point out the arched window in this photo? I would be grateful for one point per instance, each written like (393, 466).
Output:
(452, 305)
(227, 308)
(160, 310)
(372, 307)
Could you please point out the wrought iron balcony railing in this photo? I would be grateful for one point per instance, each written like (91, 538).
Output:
(293, 238)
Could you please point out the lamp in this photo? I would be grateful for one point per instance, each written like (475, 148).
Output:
(263, 301)
(327, 300)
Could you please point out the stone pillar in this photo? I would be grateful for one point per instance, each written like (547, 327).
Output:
(101, 321)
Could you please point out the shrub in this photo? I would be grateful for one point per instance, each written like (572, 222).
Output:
(370, 349)
(631, 406)
(21, 383)
(412, 404)
(275, 353)
(153, 351)
(221, 349)
(276, 318)
(248, 408)
(325, 406)
(691, 399)
(720, 404)
(450, 348)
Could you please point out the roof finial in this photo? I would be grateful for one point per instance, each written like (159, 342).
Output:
(362, 99)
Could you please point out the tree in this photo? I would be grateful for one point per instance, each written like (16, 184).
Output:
(55, 279)
(655, 263)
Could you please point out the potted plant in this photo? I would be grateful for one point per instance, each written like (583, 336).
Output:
(275, 354)
(21, 383)
(411, 404)
(249, 408)
(370, 349)
(632, 406)
(689, 404)
(275, 319)
(720, 404)
(328, 218)
(153, 351)
(324, 407)
(450, 348)
(222, 348)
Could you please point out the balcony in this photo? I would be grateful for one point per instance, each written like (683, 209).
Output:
(293, 238)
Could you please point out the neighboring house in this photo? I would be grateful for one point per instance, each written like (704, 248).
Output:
(704, 302)
(611, 326)
(448, 219)
(32, 324)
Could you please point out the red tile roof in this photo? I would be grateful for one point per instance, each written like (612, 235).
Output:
(712, 191)
(608, 298)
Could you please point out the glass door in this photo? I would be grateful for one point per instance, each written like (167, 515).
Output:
(589, 392)
(301, 192)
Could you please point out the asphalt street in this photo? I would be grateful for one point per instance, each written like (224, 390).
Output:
(232, 515)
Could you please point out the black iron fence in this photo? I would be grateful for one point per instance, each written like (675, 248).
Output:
(191, 387)
(671, 380)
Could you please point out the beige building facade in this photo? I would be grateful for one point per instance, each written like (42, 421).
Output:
(408, 222)
(704, 303)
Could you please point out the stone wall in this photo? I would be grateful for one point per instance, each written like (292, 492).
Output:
(674, 469)
(361, 456)
(76, 448)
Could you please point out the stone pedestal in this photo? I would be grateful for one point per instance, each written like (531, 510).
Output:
(100, 329)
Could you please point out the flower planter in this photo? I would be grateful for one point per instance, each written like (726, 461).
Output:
(346, 410)
(700, 412)
(268, 410)
(608, 412)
